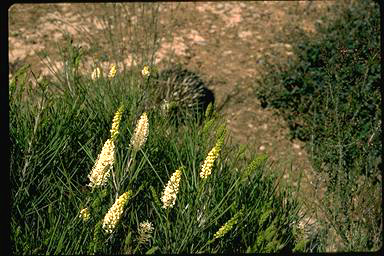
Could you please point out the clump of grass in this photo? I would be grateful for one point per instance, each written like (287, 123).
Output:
(56, 136)
(330, 97)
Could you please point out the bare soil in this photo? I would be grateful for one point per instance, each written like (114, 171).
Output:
(223, 41)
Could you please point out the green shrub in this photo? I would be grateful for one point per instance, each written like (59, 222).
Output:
(330, 97)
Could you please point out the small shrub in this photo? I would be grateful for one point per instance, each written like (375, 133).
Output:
(330, 97)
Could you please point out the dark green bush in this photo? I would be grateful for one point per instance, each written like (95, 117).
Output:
(330, 97)
(330, 94)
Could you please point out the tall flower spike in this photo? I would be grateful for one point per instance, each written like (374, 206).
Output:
(145, 232)
(116, 122)
(170, 192)
(141, 132)
(112, 71)
(227, 226)
(206, 167)
(103, 165)
(114, 213)
(96, 73)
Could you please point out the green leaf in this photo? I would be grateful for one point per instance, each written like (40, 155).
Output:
(265, 216)
(152, 250)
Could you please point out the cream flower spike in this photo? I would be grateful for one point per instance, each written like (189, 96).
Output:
(170, 192)
(96, 73)
(145, 232)
(140, 133)
(103, 165)
(113, 215)
(206, 167)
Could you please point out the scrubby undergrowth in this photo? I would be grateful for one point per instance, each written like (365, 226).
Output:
(330, 97)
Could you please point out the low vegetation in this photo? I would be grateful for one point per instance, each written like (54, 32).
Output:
(330, 97)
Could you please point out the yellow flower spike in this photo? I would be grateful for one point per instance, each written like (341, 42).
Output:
(116, 122)
(96, 73)
(170, 192)
(114, 213)
(84, 214)
(227, 226)
(145, 71)
(103, 165)
(112, 71)
(140, 133)
(145, 232)
(206, 167)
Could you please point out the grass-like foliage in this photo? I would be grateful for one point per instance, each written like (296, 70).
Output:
(95, 170)
(330, 97)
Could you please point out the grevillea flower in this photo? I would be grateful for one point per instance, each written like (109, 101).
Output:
(84, 214)
(141, 132)
(170, 192)
(103, 165)
(227, 226)
(114, 213)
(206, 167)
(112, 71)
(116, 122)
(145, 71)
(96, 73)
(145, 232)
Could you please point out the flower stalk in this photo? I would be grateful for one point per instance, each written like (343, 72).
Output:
(140, 133)
(103, 165)
(206, 167)
(227, 226)
(116, 122)
(96, 73)
(170, 192)
(145, 232)
(114, 214)
(112, 71)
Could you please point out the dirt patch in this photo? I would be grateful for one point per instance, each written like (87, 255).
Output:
(223, 41)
